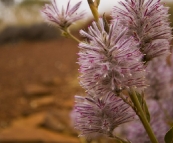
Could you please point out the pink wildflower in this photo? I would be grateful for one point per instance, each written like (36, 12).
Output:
(64, 17)
(108, 60)
(147, 21)
(95, 117)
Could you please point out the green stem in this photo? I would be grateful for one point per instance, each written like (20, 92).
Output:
(71, 36)
(94, 10)
(142, 116)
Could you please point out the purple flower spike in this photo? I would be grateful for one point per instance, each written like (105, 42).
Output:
(147, 21)
(109, 61)
(64, 17)
(95, 117)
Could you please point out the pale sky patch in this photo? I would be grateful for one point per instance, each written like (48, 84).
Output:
(105, 5)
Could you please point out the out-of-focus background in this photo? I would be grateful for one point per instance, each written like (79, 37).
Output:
(38, 73)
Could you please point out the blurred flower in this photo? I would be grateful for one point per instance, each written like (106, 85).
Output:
(108, 60)
(95, 117)
(159, 76)
(168, 109)
(135, 131)
(170, 61)
(63, 18)
(147, 21)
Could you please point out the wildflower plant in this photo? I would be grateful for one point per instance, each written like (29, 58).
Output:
(115, 59)
(62, 18)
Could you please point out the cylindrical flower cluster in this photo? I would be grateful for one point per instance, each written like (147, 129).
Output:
(96, 117)
(147, 21)
(108, 60)
(113, 59)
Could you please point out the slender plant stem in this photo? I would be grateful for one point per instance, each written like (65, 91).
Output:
(71, 36)
(94, 10)
(142, 116)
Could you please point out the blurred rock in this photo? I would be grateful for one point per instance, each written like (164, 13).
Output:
(67, 104)
(37, 32)
(43, 101)
(52, 81)
(27, 130)
(59, 120)
(4, 124)
(52, 123)
(33, 120)
(34, 90)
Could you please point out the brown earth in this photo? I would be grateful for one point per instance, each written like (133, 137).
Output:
(38, 81)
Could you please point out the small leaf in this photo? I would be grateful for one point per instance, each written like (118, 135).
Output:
(169, 136)
(143, 105)
(145, 109)
(106, 25)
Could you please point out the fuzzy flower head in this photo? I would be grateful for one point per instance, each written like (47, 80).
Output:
(62, 17)
(95, 117)
(147, 21)
(109, 60)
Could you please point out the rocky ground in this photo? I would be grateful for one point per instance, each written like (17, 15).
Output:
(38, 81)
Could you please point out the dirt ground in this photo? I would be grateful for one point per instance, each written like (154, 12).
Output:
(38, 81)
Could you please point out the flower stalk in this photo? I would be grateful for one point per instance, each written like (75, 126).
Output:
(142, 116)
(94, 9)
(68, 34)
